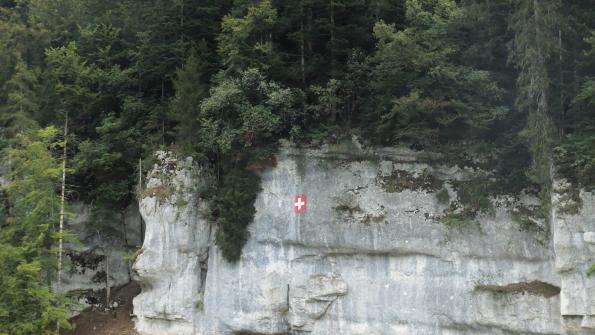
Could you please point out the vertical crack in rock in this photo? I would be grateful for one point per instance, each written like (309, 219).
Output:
(204, 267)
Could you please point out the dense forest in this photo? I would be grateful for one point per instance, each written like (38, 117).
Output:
(89, 89)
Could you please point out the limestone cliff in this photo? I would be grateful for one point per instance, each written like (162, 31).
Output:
(368, 256)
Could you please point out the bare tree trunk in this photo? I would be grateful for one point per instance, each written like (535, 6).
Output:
(162, 116)
(140, 192)
(62, 198)
(108, 291)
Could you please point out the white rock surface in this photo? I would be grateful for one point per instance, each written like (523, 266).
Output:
(169, 268)
(360, 260)
(311, 297)
(573, 245)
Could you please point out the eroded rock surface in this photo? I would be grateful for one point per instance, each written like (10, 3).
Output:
(574, 238)
(169, 266)
(310, 297)
(98, 257)
(368, 256)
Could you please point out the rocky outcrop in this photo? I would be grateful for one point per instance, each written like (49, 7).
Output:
(171, 265)
(311, 297)
(368, 256)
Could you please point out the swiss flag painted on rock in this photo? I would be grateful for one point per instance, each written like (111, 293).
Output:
(299, 203)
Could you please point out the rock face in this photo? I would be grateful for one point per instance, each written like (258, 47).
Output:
(574, 246)
(170, 267)
(368, 255)
(87, 264)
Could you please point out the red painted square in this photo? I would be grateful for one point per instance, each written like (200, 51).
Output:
(299, 203)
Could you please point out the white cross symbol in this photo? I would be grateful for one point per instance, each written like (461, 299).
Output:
(299, 203)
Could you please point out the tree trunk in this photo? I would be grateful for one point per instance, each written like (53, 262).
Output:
(62, 199)
(140, 193)
(108, 291)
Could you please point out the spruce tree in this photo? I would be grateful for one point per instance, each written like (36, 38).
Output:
(27, 237)
(535, 27)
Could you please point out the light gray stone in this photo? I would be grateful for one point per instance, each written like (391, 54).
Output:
(176, 243)
(589, 237)
(361, 259)
(573, 246)
(310, 298)
(114, 250)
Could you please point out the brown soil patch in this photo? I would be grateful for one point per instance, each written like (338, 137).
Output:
(97, 321)
(535, 287)
(401, 180)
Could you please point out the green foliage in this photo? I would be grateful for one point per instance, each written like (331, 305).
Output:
(245, 42)
(443, 197)
(575, 159)
(104, 164)
(453, 219)
(131, 256)
(27, 305)
(511, 165)
(191, 86)
(199, 305)
(475, 195)
(535, 28)
(243, 112)
(223, 80)
(433, 98)
(71, 79)
(233, 209)
(16, 115)
(575, 156)
(473, 198)
(33, 179)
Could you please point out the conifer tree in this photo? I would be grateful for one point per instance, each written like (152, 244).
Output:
(422, 93)
(27, 237)
(535, 27)
(18, 112)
